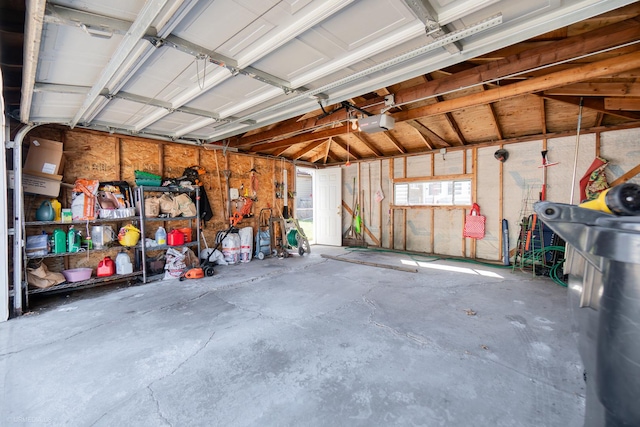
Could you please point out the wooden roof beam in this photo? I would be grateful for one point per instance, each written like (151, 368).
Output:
(395, 142)
(596, 104)
(347, 149)
(592, 41)
(363, 139)
(596, 89)
(279, 151)
(310, 147)
(307, 137)
(543, 117)
(449, 117)
(602, 38)
(327, 150)
(432, 139)
(625, 104)
(494, 117)
(537, 84)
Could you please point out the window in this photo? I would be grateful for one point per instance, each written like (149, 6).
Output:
(433, 193)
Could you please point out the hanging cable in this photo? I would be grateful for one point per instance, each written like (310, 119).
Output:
(204, 70)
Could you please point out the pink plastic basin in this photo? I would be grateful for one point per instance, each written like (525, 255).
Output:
(77, 274)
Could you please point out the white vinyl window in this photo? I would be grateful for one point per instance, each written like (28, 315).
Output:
(433, 193)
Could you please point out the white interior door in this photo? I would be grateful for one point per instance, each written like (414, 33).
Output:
(327, 207)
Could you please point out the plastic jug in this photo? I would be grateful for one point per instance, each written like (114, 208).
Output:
(59, 241)
(106, 267)
(45, 212)
(73, 240)
(123, 264)
(161, 236)
(57, 210)
(175, 238)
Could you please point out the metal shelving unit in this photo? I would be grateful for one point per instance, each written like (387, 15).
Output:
(141, 248)
(94, 281)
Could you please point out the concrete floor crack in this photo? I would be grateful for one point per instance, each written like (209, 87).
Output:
(12, 353)
(195, 353)
(413, 337)
(153, 397)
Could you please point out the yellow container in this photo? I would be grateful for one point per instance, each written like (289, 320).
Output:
(129, 235)
(57, 209)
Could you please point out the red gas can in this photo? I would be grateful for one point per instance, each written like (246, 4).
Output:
(106, 267)
(175, 238)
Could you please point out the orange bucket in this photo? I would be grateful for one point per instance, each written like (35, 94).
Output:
(187, 233)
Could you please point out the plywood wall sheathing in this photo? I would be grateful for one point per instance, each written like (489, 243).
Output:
(91, 156)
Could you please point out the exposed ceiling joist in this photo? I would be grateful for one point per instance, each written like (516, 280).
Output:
(537, 84)
(583, 44)
(543, 117)
(288, 142)
(395, 142)
(433, 140)
(597, 89)
(347, 149)
(310, 147)
(571, 47)
(628, 104)
(364, 140)
(596, 104)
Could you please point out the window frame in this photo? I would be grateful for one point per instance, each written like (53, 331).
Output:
(452, 179)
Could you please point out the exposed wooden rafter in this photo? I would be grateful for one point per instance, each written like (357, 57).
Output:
(432, 139)
(596, 104)
(494, 116)
(364, 140)
(310, 147)
(543, 117)
(449, 117)
(622, 104)
(537, 84)
(294, 132)
(395, 142)
(596, 89)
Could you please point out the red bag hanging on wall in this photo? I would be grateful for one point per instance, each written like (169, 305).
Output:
(474, 223)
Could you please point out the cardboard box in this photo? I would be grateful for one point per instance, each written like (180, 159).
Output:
(44, 157)
(45, 184)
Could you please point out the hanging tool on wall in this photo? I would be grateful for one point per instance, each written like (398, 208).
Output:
(254, 183)
(227, 175)
(533, 219)
(545, 164)
(357, 220)
(350, 233)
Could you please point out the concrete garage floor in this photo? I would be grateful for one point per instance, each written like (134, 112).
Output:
(303, 341)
